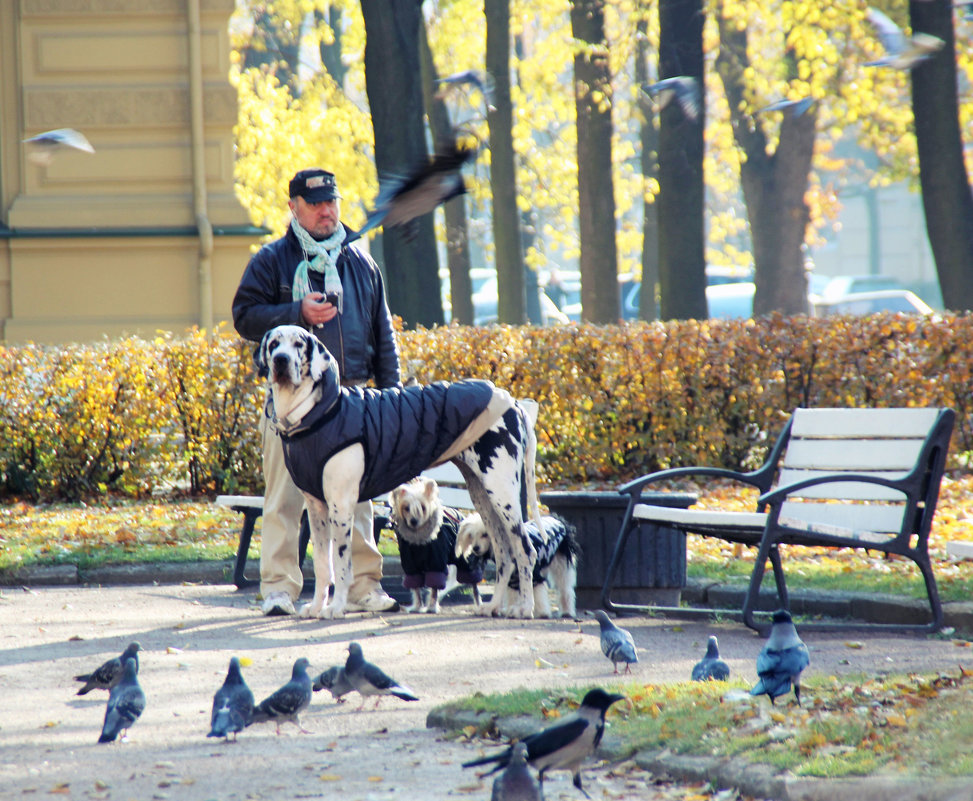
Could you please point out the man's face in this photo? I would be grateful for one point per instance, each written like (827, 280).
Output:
(319, 219)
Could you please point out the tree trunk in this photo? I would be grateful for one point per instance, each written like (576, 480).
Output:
(946, 197)
(596, 194)
(682, 260)
(649, 140)
(331, 53)
(457, 237)
(773, 185)
(393, 84)
(512, 298)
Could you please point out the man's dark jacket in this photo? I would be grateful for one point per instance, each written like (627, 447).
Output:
(361, 338)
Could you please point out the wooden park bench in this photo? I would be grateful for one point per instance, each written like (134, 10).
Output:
(838, 478)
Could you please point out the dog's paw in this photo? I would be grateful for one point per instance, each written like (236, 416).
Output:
(520, 611)
(411, 610)
(312, 609)
(432, 609)
(332, 612)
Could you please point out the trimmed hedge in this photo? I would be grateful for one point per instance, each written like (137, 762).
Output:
(180, 414)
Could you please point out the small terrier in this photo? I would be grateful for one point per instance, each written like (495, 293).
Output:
(557, 559)
(426, 533)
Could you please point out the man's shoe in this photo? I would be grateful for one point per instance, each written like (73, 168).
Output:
(278, 603)
(375, 601)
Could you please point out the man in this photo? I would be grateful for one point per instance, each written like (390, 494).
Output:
(310, 277)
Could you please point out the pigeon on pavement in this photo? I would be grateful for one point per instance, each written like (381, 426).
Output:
(563, 745)
(481, 80)
(369, 679)
(516, 782)
(46, 145)
(711, 667)
(684, 89)
(334, 680)
(401, 200)
(782, 660)
(126, 702)
(107, 674)
(287, 703)
(616, 643)
(232, 704)
(901, 52)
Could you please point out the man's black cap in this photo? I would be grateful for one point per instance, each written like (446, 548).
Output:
(314, 185)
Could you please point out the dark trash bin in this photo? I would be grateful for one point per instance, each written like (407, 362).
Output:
(653, 567)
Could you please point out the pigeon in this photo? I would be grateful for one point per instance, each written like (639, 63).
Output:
(401, 200)
(126, 702)
(684, 89)
(333, 679)
(711, 667)
(369, 679)
(289, 701)
(106, 675)
(796, 107)
(616, 643)
(516, 782)
(563, 745)
(46, 145)
(481, 80)
(232, 705)
(783, 658)
(901, 52)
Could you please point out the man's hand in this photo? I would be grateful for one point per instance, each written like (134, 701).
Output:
(316, 310)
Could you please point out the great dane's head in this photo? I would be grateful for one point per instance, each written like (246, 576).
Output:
(290, 356)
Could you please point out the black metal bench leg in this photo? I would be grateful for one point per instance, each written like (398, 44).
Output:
(246, 534)
(616, 557)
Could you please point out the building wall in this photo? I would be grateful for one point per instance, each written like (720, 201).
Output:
(883, 232)
(108, 243)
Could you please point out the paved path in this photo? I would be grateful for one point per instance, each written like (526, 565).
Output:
(48, 734)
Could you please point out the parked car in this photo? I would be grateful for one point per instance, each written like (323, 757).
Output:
(730, 301)
(842, 285)
(486, 300)
(881, 300)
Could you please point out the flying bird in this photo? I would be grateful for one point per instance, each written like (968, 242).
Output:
(232, 704)
(516, 782)
(901, 52)
(563, 745)
(287, 703)
(107, 674)
(334, 680)
(369, 679)
(782, 660)
(796, 107)
(476, 78)
(684, 89)
(45, 146)
(616, 643)
(126, 702)
(402, 199)
(711, 667)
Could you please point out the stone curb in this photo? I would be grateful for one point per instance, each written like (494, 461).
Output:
(755, 780)
(867, 607)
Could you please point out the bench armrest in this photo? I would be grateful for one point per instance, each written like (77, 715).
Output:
(635, 487)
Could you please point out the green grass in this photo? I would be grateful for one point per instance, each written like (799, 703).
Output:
(859, 726)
